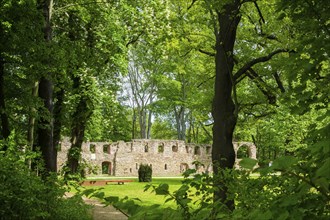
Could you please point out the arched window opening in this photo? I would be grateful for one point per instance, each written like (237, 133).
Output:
(165, 167)
(175, 148)
(243, 152)
(146, 148)
(160, 148)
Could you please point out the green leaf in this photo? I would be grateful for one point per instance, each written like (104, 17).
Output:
(169, 199)
(162, 189)
(323, 183)
(284, 162)
(284, 215)
(99, 195)
(112, 199)
(324, 170)
(248, 163)
(88, 192)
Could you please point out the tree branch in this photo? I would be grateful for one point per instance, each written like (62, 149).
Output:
(134, 39)
(262, 85)
(250, 64)
(199, 85)
(192, 3)
(206, 131)
(259, 12)
(279, 82)
(207, 52)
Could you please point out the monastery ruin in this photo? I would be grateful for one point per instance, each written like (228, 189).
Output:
(167, 157)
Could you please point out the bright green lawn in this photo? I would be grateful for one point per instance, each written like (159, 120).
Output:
(136, 190)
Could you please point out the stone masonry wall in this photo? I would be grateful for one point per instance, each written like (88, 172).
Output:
(167, 157)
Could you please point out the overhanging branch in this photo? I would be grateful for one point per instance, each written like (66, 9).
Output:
(262, 85)
(134, 39)
(250, 64)
(207, 52)
(192, 3)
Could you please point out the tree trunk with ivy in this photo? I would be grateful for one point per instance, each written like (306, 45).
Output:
(223, 109)
(80, 118)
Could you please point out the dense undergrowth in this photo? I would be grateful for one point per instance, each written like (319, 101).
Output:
(24, 195)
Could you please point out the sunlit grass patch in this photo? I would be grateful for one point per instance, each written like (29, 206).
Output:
(136, 189)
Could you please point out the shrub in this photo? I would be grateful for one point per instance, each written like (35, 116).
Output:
(24, 195)
(145, 173)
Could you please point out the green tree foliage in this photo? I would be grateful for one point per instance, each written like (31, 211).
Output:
(192, 53)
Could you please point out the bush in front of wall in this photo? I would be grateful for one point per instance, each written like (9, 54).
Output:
(145, 173)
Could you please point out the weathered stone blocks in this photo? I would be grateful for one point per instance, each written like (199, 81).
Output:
(167, 157)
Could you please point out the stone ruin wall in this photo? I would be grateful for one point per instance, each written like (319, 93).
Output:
(167, 157)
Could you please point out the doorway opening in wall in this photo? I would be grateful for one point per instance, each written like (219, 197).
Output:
(106, 168)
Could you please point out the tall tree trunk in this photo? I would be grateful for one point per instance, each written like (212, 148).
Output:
(45, 128)
(180, 120)
(32, 123)
(183, 124)
(5, 131)
(190, 128)
(143, 123)
(134, 123)
(223, 108)
(57, 117)
(80, 117)
(32, 118)
(149, 124)
(149, 118)
(177, 120)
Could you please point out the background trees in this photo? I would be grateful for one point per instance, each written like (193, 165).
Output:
(253, 70)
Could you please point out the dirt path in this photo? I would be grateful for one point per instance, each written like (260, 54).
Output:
(101, 212)
(105, 213)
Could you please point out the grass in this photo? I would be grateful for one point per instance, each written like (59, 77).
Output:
(135, 189)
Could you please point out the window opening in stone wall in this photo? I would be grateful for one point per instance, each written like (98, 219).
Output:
(160, 148)
(136, 166)
(130, 170)
(146, 148)
(106, 149)
(208, 149)
(106, 167)
(175, 148)
(187, 149)
(92, 148)
(197, 150)
(165, 167)
(183, 167)
(243, 152)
